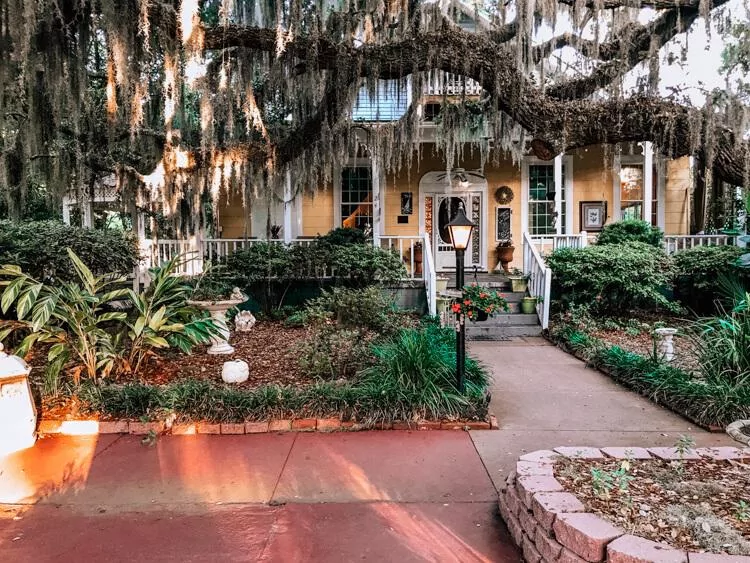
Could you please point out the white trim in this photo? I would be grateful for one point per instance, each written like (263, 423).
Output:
(377, 209)
(658, 184)
(353, 162)
(558, 166)
(288, 234)
(648, 180)
(566, 162)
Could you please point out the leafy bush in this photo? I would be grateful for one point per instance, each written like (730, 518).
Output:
(333, 353)
(371, 308)
(630, 230)
(700, 272)
(612, 278)
(85, 324)
(343, 236)
(39, 248)
(361, 265)
(268, 270)
(705, 400)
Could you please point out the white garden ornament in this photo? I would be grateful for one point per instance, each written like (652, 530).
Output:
(666, 343)
(17, 411)
(218, 311)
(235, 371)
(244, 321)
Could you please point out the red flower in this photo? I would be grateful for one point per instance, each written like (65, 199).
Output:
(467, 302)
(483, 295)
(470, 314)
(456, 308)
(488, 310)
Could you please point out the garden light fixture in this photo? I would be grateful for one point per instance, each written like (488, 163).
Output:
(460, 230)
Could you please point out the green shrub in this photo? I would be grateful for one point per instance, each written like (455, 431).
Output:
(722, 344)
(612, 278)
(418, 367)
(700, 272)
(360, 265)
(343, 236)
(39, 248)
(630, 230)
(333, 353)
(371, 308)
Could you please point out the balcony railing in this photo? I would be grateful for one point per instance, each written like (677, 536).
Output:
(441, 83)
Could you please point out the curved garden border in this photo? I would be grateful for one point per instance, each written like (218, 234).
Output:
(551, 525)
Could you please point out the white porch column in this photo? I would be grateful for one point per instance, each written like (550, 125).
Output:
(87, 212)
(66, 209)
(289, 226)
(648, 180)
(558, 193)
(377, 208)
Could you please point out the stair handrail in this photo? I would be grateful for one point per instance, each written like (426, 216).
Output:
(540, 279)
(428, 271)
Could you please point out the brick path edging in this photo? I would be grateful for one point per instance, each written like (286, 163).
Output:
(551, 525)
(89, 427)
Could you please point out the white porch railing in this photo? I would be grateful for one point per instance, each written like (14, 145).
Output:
(441, 83)
(429, 276)
(673, 243)
(549, 243)
(540, 279)
(411, 251)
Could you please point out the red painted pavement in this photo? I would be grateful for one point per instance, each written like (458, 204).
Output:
(373, 496)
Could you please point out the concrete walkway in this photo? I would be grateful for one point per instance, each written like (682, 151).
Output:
(544, 397)
(377, 496)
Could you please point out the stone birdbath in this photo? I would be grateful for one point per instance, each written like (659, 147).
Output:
(218, 311)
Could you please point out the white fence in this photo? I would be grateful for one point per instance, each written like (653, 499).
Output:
(673, 243)
(540, 279)
(415, 252)
(545, 244)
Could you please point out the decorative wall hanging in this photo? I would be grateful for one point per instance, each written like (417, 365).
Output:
(407, 206)
(593, 215)
(504, 195)
(502, 224)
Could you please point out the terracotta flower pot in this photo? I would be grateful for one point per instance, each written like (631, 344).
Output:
(505, 256)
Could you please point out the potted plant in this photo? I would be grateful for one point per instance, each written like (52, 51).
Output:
(528, 304)
(416, 252)
(213, 293)
(478, 303)
(518, 280)
(441, 283)
(504, 251)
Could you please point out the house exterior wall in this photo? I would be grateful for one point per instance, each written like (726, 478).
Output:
(677, 195)
(593, 179)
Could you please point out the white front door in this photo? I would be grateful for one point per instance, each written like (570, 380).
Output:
(445, 207)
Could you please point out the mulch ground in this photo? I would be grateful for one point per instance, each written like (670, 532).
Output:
(270, 349)
(700, 505)
(640, 340)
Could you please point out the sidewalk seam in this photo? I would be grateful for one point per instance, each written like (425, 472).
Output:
(486, 470)
(283, 467)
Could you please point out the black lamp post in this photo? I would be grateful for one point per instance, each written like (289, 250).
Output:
(460, 229)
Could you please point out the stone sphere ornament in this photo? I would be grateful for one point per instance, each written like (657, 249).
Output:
(235, 371)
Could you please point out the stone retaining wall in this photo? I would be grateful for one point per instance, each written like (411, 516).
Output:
(551, 525)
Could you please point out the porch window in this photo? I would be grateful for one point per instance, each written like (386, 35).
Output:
(542, 200)
(631, 193)
(356, 197)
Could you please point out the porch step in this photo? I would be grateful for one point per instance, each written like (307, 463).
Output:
(476, 332)
(507, 319)
(484, 279)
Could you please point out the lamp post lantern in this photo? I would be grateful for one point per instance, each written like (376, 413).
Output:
(460, 230)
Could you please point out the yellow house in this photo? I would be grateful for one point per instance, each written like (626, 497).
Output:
(574, 193)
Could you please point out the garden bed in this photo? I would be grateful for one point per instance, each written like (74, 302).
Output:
(625, 504)
(694, 505)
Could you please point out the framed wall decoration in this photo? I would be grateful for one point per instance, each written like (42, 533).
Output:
(407, 206)
(503, 230)
(593, 215)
